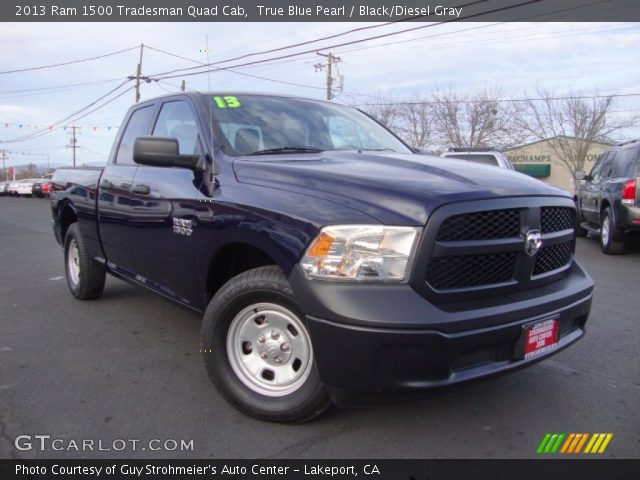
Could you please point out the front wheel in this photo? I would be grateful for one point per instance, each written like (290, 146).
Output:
(611, 241)
(258, 352)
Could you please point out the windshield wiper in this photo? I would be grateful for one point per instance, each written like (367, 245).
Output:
(286, 150)
(377, 150)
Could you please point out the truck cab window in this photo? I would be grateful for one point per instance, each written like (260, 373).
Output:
(595, 171)
(606, 171)
(138, 125)
(176, 120)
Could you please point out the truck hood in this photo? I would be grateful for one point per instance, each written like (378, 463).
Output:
(395, 189)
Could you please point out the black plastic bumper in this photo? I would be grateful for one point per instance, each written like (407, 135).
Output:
(629, 220)
(409, 344)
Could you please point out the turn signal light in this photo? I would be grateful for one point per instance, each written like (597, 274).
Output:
(321, 245)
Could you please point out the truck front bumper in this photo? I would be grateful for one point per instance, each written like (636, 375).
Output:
(388, 339)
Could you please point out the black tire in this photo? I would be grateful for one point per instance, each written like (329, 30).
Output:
(88, 282)
(611, 239)
(255, 288)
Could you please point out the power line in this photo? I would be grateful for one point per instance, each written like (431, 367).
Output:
(73, 116)
(444, 102)
(481, 42)
(352, 42)
(476, 27)
(69, 62)
(55, 87)
(496, 10)
(67, 118)
(93, 151)
(287, 47)
(258, 77)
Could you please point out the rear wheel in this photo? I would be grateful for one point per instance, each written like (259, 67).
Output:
(258, 352)
(85, 277)
(611, 239)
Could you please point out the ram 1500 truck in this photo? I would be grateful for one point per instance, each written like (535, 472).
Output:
(329, 261)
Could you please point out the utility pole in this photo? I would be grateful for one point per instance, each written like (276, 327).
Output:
(206, 39)
(183, 86)
(331, 59)
(138, 76)
(4, 165)
(74, 142)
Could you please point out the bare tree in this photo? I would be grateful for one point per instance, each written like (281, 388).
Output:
(479, 120)
(570, 123)
(417, 125)
(385, 110)
(30, 172)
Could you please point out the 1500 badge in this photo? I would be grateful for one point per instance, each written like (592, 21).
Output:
(182, 226)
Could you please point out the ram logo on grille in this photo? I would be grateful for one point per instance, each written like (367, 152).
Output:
(533, 242)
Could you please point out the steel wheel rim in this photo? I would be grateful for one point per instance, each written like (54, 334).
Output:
(73, 262)
(606, 229)
(269, 349)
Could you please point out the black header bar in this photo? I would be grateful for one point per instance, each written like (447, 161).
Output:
(535, 469)
(318, 10)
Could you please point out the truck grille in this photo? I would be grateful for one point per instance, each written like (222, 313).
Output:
(552, 258)
(470, 270)
(468, 247)
(554, 219)
(481, 225)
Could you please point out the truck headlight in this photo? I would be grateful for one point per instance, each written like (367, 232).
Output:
(360, 252)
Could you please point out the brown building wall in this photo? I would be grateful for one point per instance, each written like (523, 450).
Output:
(534, 155)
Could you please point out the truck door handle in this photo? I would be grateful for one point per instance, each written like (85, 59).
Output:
(141, 189)
(106, 184)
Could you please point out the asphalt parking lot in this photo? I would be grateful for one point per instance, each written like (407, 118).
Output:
(128, 367)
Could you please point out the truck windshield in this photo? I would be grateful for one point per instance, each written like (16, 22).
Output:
(258, 124)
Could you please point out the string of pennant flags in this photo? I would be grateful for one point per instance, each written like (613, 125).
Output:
(26, 154)
(91, 128)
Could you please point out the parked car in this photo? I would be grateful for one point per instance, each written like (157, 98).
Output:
(22, 187)
(608, 198)
(327, 258)
(480, 155)
(12, 188)
(41, 188)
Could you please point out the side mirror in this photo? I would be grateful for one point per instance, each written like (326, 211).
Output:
(164, 152)
(579, 175)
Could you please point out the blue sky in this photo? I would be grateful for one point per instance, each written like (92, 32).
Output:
(517, 57)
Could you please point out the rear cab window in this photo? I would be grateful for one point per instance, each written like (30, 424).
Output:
(138, 125)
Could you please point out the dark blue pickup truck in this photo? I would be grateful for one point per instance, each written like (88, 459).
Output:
(331, 263)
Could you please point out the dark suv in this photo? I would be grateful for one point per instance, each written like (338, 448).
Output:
(608, 199)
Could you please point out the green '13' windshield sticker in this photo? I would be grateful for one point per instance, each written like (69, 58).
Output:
(224, 102)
